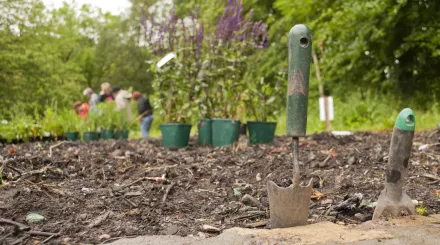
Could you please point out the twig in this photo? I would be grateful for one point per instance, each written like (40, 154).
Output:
(103, 175)
(21, 227)
(116, 238)
(250, 215)
(3, 238)
(42, 233)
(54, 146)
(130, 202)
(157, 179)
(48, 239)
(432, 134)
(164, 198)
(431, 176)
(20, 240)
(189, 170)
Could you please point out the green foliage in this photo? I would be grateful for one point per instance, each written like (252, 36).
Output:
(20, 127)
(70, 121)
(51, 123)
(50, 55)
(109, 118)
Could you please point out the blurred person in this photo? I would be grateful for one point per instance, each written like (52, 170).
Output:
(92, 96)
(122, 99)
(106, 93)
(82, 109)
(145, 113)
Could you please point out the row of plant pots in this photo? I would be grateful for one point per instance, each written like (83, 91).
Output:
(216, 132)
(94, 136)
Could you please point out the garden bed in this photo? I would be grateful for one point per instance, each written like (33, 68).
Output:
(91, 192)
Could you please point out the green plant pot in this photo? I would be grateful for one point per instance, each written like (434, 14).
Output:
(72, 136)
(261, 132)
(121, 134)
(225, 131)
(107, 134)
(204, 127)
(175, 135)
(90, 136)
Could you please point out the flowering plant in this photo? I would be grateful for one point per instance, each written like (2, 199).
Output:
(206, 77)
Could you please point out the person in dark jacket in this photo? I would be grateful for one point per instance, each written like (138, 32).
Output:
(106, 93)
(145, 113)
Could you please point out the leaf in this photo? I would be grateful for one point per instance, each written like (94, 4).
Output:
(34, 218)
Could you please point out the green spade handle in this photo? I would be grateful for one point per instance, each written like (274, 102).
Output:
(300, 56)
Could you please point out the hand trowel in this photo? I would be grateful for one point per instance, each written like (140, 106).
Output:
(290, 206)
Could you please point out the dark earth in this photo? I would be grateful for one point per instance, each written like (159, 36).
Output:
(91, 193)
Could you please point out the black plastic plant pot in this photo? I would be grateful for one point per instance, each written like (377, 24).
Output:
(72, 136)
(261, 132)
(107, 134)
(225, 131)
(175, 135)
(90, 136)
(121, 134)
(204, 128)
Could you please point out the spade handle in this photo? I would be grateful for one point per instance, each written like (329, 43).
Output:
(300, 56)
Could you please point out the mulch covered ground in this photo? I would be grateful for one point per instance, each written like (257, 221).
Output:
(92, 192)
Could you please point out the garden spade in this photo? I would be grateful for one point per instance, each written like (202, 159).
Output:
(290, 206)
(392, 198)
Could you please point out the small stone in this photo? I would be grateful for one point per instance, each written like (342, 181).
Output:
(415, 202)
(86, 190)
(247, 189)
(171, 230)
(351, 160)
(209, 228)
(104, 237)
(116, 153)
(237, 192)
(27, 155)
(326, 201)
(201, 235)
(82, 216)
(333, 213)
(311, 156)
(258, 177)
(128, 153)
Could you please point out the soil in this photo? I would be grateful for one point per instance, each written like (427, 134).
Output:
(92, 192)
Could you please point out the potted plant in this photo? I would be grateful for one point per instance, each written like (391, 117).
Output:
(177, 58)
(52, 125)
(109, 120)
(172, 103)
(120, 125)
(263, 106)
(71, 124)
(232, 48)
(89, 126)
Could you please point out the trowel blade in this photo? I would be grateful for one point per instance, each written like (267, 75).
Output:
(288, 206)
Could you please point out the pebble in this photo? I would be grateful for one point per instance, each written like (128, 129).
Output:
(326, 201)
(258, 177)
(351, 160)
(104, 237)
(171, 230)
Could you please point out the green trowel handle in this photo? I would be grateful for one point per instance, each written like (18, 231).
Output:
(300, 54)
(400, 150)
